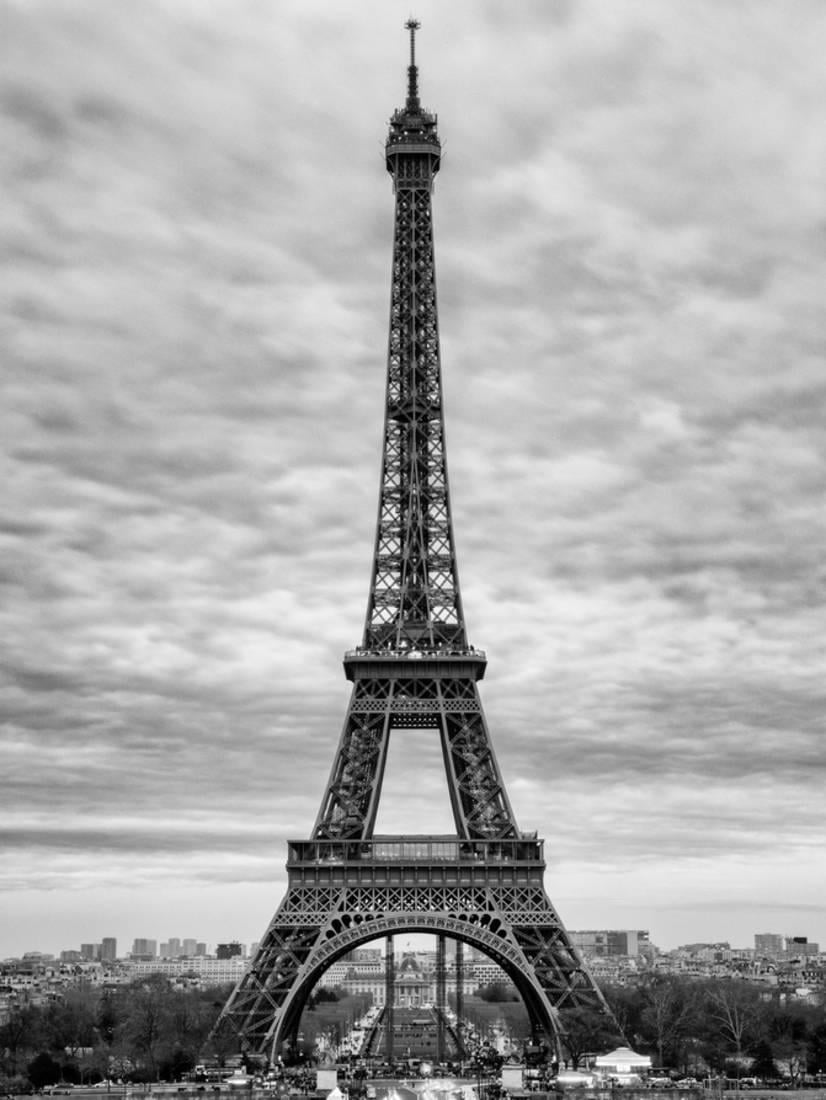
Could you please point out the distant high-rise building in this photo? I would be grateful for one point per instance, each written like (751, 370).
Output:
(200, 949)
(769, 944)
(800, 946)
(70, 956)
(228, 950)
(174, 947)
(189, 947)
(144, 949)
(109, 949)
(611, 942)
(90, 951)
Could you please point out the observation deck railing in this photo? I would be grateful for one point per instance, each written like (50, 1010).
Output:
(416, 849)
(412, 662)
(415, 654)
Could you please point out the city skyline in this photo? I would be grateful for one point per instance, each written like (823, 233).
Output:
(197, 230)
(422, 942)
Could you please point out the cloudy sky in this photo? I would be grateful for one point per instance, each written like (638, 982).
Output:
(196, 228)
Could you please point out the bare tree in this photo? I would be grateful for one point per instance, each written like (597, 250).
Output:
(146, 1027)
(669, 1013)
(735, 1008)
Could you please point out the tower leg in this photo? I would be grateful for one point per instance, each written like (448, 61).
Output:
(460, 998)
(440, 998)
(389, 997)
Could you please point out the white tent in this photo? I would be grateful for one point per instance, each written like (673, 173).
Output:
(622, 1062)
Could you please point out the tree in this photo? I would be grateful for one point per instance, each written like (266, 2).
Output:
(146, 1026)
(497, 993)
(626, 1004)
(790, 1054)
(179, 1062)
(817, 1049)
(668, 1017)
(110, 1013)
(70, 1024)
(583, 1030)
(43, 1070)
(223, 1041)
(19, 1036)
(735, 1007)
(763, 1060)
(789, 1037)
(191, 1018)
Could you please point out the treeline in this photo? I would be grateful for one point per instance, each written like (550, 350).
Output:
(144, 1031)
(689, 1027)
(723, 1026)
(149, 1030)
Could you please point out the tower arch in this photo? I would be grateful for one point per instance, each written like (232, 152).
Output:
(488, 937)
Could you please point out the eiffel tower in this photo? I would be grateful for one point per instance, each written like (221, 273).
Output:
(347, 886)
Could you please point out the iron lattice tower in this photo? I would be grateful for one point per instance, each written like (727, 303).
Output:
(414, 669)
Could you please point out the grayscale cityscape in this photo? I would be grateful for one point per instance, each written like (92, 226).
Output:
(453, 857)
(789, 963)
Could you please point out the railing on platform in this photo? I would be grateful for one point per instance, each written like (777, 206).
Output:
(408, 653)
(416, 849)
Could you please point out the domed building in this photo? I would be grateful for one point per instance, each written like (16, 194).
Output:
(412, 986)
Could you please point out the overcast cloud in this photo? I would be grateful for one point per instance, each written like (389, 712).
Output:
(196, 230)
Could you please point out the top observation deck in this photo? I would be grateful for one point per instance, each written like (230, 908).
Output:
(442, 662)
(412, 129)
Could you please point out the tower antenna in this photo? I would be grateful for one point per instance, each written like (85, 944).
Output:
(412, 72)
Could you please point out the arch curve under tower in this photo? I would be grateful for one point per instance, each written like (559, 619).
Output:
(484, 932)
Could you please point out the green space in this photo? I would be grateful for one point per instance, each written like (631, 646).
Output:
(149, 1031)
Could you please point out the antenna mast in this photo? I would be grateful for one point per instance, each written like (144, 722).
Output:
(412, 72)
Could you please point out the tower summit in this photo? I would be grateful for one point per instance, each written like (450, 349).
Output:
(414, 670)
(412, 130)
(412, 72)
